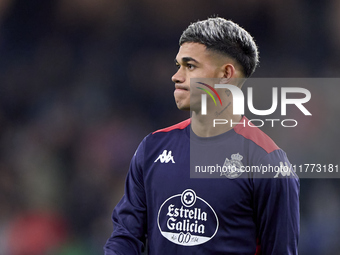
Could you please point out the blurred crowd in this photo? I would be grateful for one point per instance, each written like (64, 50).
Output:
(83, 81)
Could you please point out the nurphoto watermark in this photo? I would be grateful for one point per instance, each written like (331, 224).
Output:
(290, 110)
(230, 96)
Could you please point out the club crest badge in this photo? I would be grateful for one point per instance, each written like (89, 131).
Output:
(233, 167)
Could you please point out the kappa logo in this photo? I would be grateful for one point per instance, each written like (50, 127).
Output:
(165, 157)
(285, 170)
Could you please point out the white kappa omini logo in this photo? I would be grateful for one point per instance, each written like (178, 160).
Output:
(165, 158)
(186, 219)
(285, 170)
(232, 168)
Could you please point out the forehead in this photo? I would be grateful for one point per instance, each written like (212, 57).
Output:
(192, 50)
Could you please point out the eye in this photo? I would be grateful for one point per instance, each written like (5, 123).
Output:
(190, 66)
(177, 65)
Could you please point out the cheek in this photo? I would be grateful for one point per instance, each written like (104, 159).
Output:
(215, 73)
(212, 71)
(206, 73)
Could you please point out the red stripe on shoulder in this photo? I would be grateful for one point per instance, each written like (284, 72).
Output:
(256, 135)
(181, 125)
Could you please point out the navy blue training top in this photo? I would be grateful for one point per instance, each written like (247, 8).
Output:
(238, 213)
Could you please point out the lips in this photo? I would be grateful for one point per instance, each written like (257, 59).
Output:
(182, 87)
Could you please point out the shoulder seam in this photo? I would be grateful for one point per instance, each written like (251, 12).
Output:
(180, 125)
(257, 136)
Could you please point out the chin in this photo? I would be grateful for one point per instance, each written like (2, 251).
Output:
(183, 107)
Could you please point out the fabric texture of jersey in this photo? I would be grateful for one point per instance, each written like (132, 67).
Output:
(228, 215)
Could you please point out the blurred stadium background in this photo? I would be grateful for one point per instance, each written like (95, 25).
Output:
(83, 81)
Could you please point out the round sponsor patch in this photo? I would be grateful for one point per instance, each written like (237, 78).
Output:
(186, 219)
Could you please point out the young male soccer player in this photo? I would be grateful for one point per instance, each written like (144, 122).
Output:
(236, 214)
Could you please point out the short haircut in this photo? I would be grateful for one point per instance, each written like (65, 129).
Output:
(226, 37)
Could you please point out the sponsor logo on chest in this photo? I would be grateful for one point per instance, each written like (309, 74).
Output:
(186, 219)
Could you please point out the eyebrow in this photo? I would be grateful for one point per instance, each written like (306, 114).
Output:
(186, 60)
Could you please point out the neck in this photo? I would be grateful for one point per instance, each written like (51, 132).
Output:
(224, 120)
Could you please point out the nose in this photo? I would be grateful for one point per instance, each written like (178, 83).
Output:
(178, 77)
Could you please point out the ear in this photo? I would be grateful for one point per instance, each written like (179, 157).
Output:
(229, 71)
(232, 75)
